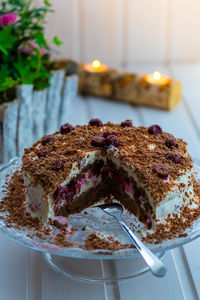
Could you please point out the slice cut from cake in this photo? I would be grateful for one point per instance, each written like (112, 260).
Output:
(147, 170)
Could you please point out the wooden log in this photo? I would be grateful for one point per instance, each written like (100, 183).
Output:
(39, 113)
(129, 87)
(69, 93)
(8, 130)
(25, 120)
(53, 101)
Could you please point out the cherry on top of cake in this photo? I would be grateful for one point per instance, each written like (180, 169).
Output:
(158, 158)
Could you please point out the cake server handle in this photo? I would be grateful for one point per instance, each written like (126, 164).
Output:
(156, 266)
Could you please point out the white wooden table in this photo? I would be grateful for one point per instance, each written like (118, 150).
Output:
(24, 274)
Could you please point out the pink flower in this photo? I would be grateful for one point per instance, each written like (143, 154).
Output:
(27, 49)
(8, 19)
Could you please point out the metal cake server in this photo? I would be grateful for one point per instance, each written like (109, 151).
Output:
(156, 266)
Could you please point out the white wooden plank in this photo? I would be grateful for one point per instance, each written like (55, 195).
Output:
(189, 75)
(13, 262)
(111, 289)
(148, 286)
(146, 31)
(101, 30)
(34, 275)
(57, 286)
(192, 254)
(184, 274)
(54, 285)
(185, 23)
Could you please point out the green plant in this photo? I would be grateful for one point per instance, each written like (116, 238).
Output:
(24, 49)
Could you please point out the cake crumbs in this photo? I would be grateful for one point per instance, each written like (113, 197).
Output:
(15, 214)
(60, 240)
(97, 242)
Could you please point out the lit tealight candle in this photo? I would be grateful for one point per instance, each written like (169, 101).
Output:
(95, 66)
(157, 78)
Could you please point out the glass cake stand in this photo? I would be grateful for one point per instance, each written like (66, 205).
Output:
(87, 265)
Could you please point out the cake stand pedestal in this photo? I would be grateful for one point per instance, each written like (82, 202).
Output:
(100, 270)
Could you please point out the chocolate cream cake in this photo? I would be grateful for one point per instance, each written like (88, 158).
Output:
(147, 170)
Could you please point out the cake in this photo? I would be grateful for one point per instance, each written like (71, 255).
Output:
(147, 170)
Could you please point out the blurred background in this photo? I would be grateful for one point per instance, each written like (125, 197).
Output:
(122, 32)
(140, 36)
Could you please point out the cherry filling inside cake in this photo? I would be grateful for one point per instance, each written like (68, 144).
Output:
(98, 182)
(147, 170)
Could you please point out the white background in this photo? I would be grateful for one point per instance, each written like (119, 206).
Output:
(127, 31)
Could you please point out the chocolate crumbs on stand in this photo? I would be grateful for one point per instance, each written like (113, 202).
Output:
(13, 205)
(175, 227)
(60, 240)
(96, 242)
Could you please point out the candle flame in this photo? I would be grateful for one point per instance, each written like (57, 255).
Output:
(156, 75)
(96, 64)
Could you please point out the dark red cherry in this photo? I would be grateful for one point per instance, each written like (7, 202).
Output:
(107, 133)
(64, 194)
(98, 141)
(112, 140)
(127, 123)
(161, 171)
(155, 129)
(58, 191)
(174, 157)
(46, 139)
(57, 165)
(149, 224)
(66, 128)
(43, 153)
(95, 122)
(170, 143)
